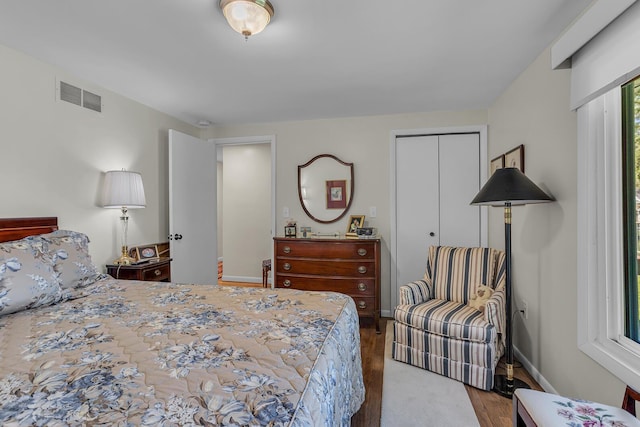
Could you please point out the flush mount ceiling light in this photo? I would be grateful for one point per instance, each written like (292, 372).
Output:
(248, 17)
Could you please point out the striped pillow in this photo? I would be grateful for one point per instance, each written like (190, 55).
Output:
(456, 273)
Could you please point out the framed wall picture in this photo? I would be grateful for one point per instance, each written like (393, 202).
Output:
(149, 252)
(515, 158)
(336, 194)
(355, 222)
(497, 163)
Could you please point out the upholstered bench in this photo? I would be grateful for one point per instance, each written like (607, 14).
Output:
(536, 408)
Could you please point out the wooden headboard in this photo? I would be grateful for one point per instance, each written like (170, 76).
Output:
(17, 228)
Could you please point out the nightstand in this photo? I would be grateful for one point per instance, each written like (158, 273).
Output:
(154, 271)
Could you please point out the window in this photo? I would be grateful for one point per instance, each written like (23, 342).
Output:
(605, 260)
(631, 193)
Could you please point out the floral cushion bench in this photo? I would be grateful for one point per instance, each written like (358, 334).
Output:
(536, 408)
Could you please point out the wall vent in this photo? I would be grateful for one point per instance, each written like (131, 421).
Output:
(91, 101)
(80, 97)
(70, 93)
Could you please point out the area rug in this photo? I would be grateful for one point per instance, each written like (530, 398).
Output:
(414, 397)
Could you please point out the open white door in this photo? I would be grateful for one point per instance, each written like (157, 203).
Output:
(192, 209)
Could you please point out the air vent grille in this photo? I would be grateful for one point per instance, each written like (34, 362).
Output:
(91, 101)
(70, 93)
(80, 97)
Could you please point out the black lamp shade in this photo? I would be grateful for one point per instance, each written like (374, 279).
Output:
(509, 185)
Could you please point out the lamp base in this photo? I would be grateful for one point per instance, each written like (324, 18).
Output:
(124, 259)
(505, 388)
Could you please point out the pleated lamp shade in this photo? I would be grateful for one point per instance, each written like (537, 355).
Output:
(123, 189)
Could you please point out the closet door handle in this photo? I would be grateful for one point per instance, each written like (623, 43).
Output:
(432, 234)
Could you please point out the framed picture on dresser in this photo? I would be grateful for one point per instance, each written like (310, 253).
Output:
(149, 252)
(355, 222)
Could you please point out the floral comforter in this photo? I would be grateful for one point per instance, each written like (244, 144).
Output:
(131, 353)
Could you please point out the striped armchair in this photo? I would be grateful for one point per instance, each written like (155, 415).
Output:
(435, 329)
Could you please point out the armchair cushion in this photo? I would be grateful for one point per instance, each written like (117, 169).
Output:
(447, 318)
(456, 273)
(416, 292)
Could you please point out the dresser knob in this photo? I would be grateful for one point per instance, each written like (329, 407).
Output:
(286, 266)
(362, 287)
(362, 305)
(287, 283)
(362, 251)
(157, 272)
(286, 249)
(362, 269)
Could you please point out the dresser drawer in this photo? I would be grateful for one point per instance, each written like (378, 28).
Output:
(352, 287)
(362, 268)
(157, 273)
(365, 305)
(328, 250)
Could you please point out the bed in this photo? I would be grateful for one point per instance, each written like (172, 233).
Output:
(78, 347)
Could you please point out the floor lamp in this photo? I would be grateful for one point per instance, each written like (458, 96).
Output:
(509, 187)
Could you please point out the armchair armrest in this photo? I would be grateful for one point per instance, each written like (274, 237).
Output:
(416, 292)
(495, 311)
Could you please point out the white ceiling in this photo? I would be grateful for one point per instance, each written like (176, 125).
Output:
(317, 59)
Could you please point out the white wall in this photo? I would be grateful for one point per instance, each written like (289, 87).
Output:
(54, 154)
(534, 111)
(365, 141)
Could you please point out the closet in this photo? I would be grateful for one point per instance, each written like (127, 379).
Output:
(436, 177)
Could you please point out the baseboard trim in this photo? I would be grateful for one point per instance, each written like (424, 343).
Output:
(546, 385)
(385, 313)
(241, 279)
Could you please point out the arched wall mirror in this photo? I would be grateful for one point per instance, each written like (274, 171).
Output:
(325, 188)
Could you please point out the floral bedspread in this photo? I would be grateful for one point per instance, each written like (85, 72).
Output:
(129, 353)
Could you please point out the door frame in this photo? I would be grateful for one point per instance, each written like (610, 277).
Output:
(394, 134)
(260, 139)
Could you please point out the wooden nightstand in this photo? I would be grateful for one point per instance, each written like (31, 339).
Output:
(154, 271)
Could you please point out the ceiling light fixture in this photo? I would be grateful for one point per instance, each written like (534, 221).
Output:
(248, 17)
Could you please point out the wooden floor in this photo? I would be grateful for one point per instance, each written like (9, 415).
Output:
(491, 409)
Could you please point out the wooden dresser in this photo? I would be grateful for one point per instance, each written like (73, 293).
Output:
(349, 266)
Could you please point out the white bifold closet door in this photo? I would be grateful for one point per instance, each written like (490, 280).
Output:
(437, 176)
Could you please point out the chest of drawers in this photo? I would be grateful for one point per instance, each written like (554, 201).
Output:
(348, 266)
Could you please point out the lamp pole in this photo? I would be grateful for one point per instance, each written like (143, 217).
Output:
(505, 385)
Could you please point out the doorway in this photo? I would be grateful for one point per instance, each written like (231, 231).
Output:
(245, 206)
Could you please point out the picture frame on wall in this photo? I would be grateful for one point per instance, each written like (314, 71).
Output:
(515, 158)
(355, 222)
(497, 163)
(336, 194)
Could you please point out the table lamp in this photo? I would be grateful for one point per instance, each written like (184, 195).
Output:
(123, 190)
